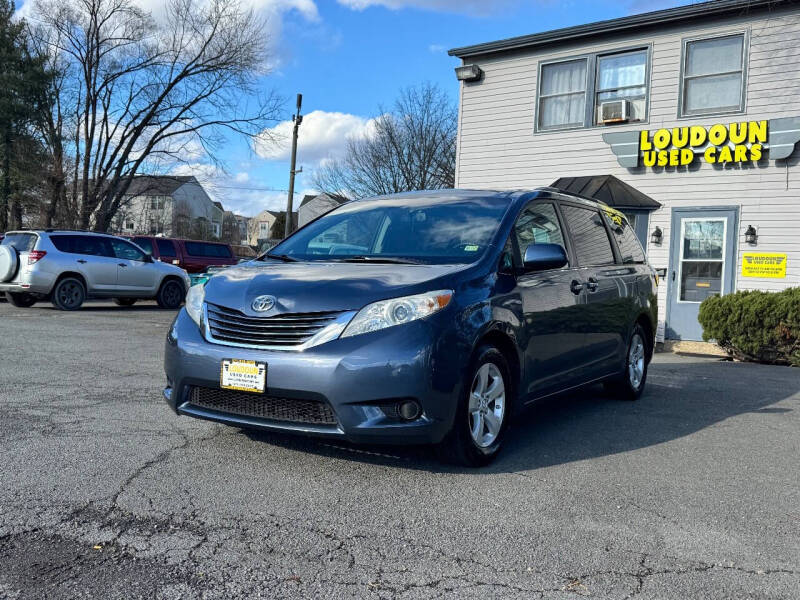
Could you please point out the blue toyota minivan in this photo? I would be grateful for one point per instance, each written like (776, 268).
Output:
(425, 317)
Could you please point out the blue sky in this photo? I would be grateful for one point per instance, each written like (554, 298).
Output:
(349, 57)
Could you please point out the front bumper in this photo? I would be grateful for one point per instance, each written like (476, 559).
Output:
(357, 376)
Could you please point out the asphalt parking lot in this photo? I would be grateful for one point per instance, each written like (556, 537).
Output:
(692, 492)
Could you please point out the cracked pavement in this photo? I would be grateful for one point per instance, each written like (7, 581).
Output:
(692, 492)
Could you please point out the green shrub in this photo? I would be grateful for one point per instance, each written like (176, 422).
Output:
(755, 326)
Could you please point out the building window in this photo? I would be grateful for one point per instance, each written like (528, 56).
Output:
(562, 95)
(157, 202)
(713, 75)
(569, 98)
(130, 226)
(263, 230)
(622, 78)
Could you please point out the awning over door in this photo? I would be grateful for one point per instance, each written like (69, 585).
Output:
(608, 189)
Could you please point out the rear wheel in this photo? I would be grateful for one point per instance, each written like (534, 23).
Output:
(124, 301)
(21, 300)
(171, 294)
(483, 412)
(69, 294)
(630, 384)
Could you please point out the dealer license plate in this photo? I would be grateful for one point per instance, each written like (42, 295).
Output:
(243, 375)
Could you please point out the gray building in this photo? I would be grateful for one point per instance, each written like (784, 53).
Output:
(312, 206)
(696, 109)
(174, 205)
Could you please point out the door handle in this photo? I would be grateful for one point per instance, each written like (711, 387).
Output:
(591, 284)
(673, 276)
(80, 260)
(576, 287)
(122, 265)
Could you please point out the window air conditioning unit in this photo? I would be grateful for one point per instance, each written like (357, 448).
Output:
(617, 111)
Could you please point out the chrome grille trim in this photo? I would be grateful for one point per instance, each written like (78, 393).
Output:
(287, 332)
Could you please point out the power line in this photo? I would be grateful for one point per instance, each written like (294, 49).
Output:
(250, 189)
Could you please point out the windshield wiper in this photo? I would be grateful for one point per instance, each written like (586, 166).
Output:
(283, 257)
(381, 259)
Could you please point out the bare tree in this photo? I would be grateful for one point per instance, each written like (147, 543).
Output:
(149, 94)
(413, 147)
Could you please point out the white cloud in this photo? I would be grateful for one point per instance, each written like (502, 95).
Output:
(323, 135)
(437, 48)
(470, 7)
(242, 177)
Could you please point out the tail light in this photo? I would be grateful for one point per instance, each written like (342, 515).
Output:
(35, 256)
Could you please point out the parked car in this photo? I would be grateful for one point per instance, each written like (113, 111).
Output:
(68, 267)
(190, 255)
(433, 317)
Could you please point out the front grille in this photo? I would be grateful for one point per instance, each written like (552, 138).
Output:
(291, 410)
(230, 326)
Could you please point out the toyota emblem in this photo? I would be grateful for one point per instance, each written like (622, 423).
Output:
(263, 303)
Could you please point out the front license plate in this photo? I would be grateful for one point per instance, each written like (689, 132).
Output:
(243, 375)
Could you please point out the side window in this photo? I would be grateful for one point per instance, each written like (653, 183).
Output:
(145, 244)
(165, 248)
(126, 251)
(589, 236)
(629, 247)
(63, 243)
(194, 248)
(537, 224)
(91, 245)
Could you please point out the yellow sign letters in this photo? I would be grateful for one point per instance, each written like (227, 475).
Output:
(732, 143)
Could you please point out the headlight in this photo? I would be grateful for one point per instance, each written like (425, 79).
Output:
(194, 303)
(388, 313)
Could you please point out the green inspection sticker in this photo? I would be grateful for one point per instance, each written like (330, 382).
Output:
(470, 248)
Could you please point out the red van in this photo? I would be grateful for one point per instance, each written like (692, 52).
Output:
(191, 255)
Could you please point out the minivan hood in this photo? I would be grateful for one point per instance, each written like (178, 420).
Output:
(322, 286)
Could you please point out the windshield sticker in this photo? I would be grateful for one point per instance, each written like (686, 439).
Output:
(471, 248)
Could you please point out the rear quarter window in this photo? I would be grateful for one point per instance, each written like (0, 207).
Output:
(629, 247)
(206, 250)
(23, 242)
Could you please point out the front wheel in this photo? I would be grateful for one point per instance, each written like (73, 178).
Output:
(21, 300)
(171, 294)
(630, 385)
(69, 294)
(483, 411)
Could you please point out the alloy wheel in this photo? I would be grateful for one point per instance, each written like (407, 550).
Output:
(636, 361)
(487, 405)
(69, 294)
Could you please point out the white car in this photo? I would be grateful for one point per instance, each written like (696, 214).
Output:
(67, 267)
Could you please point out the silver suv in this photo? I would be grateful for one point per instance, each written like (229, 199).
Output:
(68, 267)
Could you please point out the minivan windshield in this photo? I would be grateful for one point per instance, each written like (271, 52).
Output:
(398, 230)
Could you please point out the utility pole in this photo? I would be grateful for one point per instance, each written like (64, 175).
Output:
(297, 118)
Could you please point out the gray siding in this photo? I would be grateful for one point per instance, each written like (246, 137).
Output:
(497, 148)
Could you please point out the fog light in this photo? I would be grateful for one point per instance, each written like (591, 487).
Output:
(409, 410)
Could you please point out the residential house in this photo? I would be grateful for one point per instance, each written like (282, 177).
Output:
(313, 206)
(262, 227)
(173, 205)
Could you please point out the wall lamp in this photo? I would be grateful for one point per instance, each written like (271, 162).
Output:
(469, 73)
(751, 235)
(656, 236)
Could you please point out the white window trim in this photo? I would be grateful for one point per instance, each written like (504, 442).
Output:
(681, 260)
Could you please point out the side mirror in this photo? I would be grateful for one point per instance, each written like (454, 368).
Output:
(148, 258)
(541, 257)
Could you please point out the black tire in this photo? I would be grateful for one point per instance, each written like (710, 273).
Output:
(629, 385)
(69, 294)
(171, 294)
(124, 301)
(460, 446)
(21, 300)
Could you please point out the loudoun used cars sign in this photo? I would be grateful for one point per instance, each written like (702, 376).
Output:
(748, 141)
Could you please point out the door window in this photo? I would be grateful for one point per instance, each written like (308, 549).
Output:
(702, 259)
(538, 224)
(589, 236)
(126, 251)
